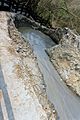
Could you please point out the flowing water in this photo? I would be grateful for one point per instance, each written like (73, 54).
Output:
(65, 101)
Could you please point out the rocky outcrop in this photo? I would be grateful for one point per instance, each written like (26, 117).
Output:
(54, 33)
(66, 59)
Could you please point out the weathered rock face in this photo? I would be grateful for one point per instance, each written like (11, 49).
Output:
(66, 58)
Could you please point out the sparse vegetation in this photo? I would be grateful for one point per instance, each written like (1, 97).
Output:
(59, 13)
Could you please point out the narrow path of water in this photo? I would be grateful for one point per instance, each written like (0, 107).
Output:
(66, 103)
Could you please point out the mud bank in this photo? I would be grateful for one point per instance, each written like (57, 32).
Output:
(24, 81)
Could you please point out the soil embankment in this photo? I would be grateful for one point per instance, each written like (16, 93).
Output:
(24, 81)
(66, 59)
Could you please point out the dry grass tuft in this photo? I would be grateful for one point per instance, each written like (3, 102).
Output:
(18, 71)
(11, 50)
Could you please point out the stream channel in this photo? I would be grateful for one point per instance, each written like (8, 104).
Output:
(66, 103)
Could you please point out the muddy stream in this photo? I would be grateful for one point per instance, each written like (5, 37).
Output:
(66, 103)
